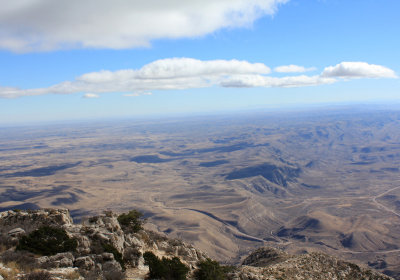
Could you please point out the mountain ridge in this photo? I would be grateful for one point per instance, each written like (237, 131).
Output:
(106, 249)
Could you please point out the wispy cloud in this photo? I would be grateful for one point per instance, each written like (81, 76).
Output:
(293, 69)
(187, 73)
(43, 25)
(354, 70)
(264, 81)
(91, 95)
(136, 94)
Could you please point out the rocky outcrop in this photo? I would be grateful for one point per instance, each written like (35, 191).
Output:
(272, 264)
(103, 246)
(265, 256)
(105, 251)
(32, 219)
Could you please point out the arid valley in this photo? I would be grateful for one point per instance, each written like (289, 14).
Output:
(317, 180)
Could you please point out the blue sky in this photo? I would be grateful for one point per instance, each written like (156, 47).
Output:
(63, 62)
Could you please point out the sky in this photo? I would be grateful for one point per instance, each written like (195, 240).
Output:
(99, 59)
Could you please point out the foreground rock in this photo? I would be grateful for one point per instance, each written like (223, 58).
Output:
(273, 264)
(106, 251)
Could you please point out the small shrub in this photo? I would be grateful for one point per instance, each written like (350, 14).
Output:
(117, 255)
(38, 275)
(131, 221)
(177, 270)
(145, 237)
(175, 242)
(166, 269)
(156, 236)
(24, 260)
(156, 269)
(47, 241)
(114, 275)
(108, 213)
(7, 242)
(96, 246)
(93, 219)
(211, 270)
(131, 256)
(170, 250)
(95, 274)
(182, 252)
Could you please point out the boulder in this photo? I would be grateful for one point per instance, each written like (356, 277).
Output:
(16, 232)
(111, 266)
(85, 263)
(107, 256)
(42, 261)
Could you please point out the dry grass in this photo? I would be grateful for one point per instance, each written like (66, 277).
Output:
(73, 275)
(11, 272)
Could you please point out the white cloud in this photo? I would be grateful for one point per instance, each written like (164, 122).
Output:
(136, 94)
(187, 73)
(42, 25)
(293, 69)
(265, 81)
(91, 95)
(176, 68)
(353, 70)
(165, 74)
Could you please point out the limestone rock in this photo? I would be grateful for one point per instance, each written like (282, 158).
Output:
(101, 239)
(111, 266)
(85, 263)
(265, 256)
(107, 257)
(16, 232)
(32, 219)
(272, 264)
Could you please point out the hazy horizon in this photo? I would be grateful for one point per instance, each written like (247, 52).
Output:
(81, 61)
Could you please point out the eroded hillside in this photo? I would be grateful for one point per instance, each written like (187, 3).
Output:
(325, 181)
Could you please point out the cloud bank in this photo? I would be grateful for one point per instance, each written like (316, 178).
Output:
(187, 73)
(285, 82)
(293, 69)
(43, 25)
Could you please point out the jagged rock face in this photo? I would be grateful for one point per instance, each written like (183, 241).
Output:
(31, 220)
(90, 257)
(265, 256)
(56, 261)
(279, 265)
(93, 261)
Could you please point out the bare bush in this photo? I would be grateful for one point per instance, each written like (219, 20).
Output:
(25, 260)
(131, 256)
(38, 275)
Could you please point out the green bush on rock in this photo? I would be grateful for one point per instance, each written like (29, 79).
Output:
(117, 255)
(47, 241)
(166, 269)
(211, 270)
(131, 221)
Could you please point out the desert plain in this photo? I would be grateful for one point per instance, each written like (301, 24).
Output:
(326, 179)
